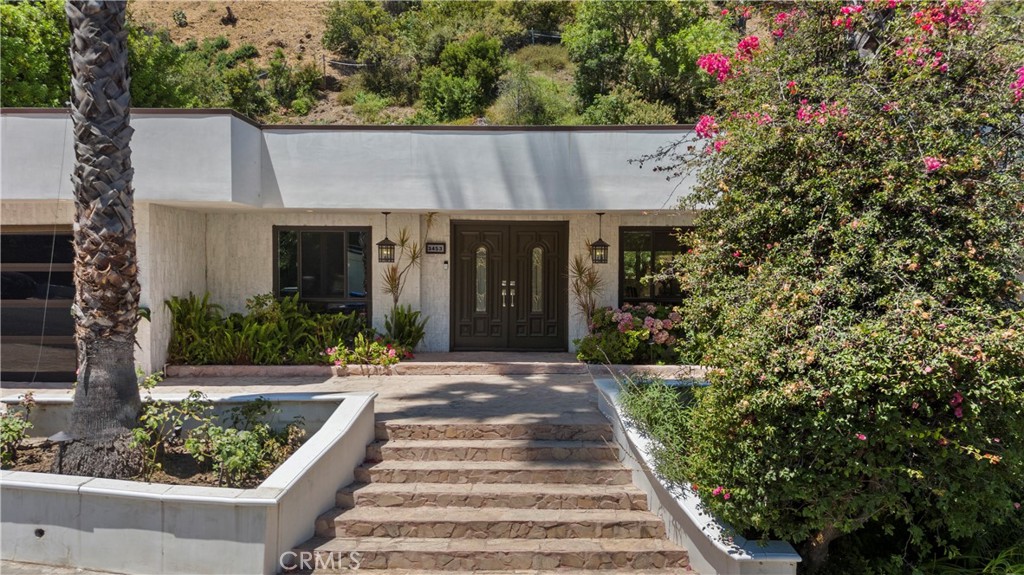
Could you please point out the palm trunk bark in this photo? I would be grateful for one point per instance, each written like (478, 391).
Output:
(106, 403)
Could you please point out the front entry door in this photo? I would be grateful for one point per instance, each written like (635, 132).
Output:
(510, 285)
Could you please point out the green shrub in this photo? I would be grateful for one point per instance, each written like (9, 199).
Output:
(449, 97)
(404, 328)
(14, 426)
(350, 23)
(273, 332)
(642, 333)
(479, 60)
(302, 106)
(659, 411)
(370, 107)
(179, 18)
(524, 99)
(625, 106)
(244, 91)
(856, 281)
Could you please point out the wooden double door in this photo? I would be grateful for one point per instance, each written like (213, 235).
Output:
(510, 285)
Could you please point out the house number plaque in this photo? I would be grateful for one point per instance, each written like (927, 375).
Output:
(436, 247)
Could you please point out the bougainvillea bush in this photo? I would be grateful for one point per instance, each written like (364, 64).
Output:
(633, 334)
(856, 280)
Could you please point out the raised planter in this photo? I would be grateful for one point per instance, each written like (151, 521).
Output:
(151, 528)
(713, 545)
(403, 368)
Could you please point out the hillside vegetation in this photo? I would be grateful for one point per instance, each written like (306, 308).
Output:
(534, 62)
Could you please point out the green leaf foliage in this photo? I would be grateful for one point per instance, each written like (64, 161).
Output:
(34, 54)
(856, 281)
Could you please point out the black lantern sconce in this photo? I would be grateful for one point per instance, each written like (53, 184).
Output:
(599, 249)
(386, 247)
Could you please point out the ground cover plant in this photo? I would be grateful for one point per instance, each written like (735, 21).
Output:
(856, 282)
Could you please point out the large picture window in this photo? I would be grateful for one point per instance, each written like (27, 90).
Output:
(328, 267)
(644, 251)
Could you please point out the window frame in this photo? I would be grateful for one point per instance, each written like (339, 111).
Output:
(653, 230)
(344, 230)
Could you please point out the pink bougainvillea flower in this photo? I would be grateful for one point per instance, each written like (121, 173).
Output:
(862, 437)
(717, 65)
(1018, 86)
(932, 164)
(747, 46)
(1016, 506)
(718, 145)
(792, 87)
(957, 399)
(727, 496)
(716, 491)
(706, 127)
(959, 412)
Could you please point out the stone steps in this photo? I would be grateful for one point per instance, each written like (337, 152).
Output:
(338, 554)
(466, 522)
(490, 450)
(597, 431)
(483, 495)
(506, 498)
(563, 472)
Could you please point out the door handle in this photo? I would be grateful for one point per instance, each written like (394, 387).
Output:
(513, 295)
(503, 283)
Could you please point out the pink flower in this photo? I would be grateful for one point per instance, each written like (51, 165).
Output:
(727, 496)
(666, 323)
(862, 437)
(931, 164)
(706, 127)
(791, 86)
(1016, 506)
(747, 46)
(957, 399)
(716, 65)
(337, 362)
(928, 369)
(718, 145)
(959, 412)
(716, 491)
(1018, 86)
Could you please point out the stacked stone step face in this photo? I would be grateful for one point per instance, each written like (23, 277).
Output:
(492, 497)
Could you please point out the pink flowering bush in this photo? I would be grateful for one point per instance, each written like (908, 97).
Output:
(856, 283)
(633, 334)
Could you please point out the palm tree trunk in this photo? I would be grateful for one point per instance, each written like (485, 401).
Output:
(106, 403)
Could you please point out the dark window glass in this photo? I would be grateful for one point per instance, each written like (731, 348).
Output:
(645, 251)
(36, 289)
(328, 268)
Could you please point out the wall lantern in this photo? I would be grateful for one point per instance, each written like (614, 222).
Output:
(599, 249)
(386, 247)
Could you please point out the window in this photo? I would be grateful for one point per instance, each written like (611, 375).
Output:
(641, 252)
(328, 267)
(37, 289)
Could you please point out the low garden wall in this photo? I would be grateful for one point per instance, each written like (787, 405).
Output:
(712, 545)
(151, 528)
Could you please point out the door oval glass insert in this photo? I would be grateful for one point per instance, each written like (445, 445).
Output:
(537, 280)
(481, 279)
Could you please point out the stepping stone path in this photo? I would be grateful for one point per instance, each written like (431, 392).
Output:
(502, 498)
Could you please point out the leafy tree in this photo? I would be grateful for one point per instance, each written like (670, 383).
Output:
(649, 46)
(34, 53)
(478, 59)
(152, 59)
(107, 401)
(351, 23)
(449, 97)
(857, 280)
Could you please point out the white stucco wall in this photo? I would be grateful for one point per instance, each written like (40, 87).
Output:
(172, 262)
(240, 253)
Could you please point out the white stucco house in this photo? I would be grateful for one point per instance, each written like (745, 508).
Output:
(231, 208)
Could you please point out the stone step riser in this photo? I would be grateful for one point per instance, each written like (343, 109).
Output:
(495, 476)
(336, 562)
(340, 527)
(385, 452)
(537, 431)
(623, 501)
